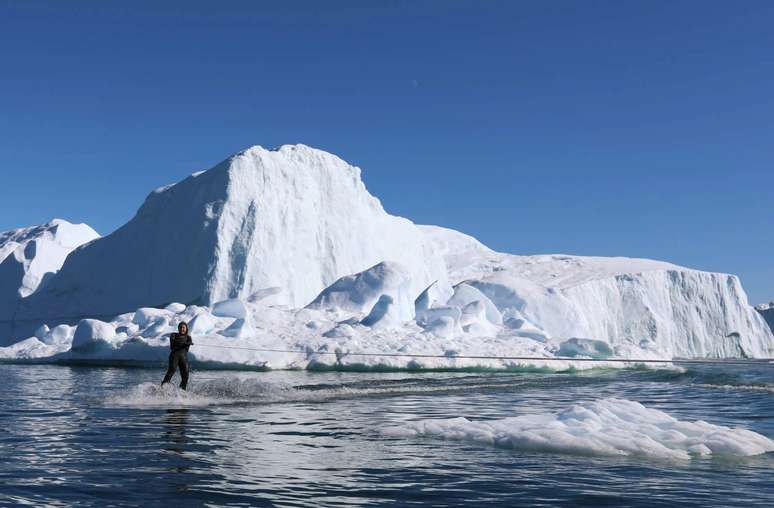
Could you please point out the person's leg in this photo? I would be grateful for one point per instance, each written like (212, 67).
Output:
(170, 370)
(183, 364)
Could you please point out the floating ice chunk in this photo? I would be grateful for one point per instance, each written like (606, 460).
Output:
(585, 347)
(612, 427)
(92, 334)
(230, 308)
(175, 308)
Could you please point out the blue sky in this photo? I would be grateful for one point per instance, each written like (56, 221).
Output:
(598, 128)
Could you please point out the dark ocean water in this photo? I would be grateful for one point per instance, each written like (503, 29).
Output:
(107, 437)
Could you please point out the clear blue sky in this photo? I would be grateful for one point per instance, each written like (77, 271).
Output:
(634, 128)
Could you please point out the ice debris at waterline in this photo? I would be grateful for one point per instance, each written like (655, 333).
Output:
(286, 249)
(232, 334)
(608, 427)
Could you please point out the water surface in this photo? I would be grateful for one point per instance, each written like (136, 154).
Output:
(102, 437)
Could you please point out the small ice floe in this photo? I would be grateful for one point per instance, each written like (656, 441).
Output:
(607, 427)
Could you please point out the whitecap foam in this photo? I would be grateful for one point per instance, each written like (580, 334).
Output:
(153, 395)
(203, 393)
(252, 391)
(751, 388)
(608, 427)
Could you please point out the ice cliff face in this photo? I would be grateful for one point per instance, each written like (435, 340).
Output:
(628, 303)
(767, 311)
(295, 218)
(29, 257)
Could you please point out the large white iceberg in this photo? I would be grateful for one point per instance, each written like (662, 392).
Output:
(296, 218)
(282, 259)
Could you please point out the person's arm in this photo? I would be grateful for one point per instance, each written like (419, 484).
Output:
(188, 341)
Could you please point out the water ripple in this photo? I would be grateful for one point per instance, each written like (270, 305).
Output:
(92, 437)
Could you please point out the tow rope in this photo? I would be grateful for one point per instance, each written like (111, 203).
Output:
(341, 354)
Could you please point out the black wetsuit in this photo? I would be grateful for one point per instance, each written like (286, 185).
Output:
(178, 357)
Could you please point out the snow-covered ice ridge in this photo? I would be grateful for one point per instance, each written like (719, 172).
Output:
(286, 249)
(629, 303)
(29, 257)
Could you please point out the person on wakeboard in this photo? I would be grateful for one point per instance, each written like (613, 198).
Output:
(179, 342)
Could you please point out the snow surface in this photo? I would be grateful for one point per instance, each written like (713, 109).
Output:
(29, 257)
(608, 427)
(286, 250)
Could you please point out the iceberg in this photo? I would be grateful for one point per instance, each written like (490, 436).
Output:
(282, 259)
(295, 218)
(628, 303)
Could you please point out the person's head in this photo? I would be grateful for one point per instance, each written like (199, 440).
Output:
(182, 327)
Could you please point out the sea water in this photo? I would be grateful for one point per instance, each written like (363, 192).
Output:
(109, 436)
